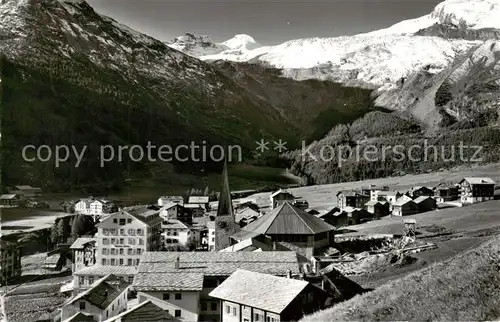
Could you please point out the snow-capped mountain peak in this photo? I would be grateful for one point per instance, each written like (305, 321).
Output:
(241, 41)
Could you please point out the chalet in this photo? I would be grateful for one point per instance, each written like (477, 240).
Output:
(176, 233)
(84, 253)
(475, 189)
(95, 207)
(180, 282)
(374, 191)
(203, 201)
(351, 198)
(196, 210)
(246, 216)
(425, 203)
(420, 191)
(252, 296)
(404, 206)
(26, 192)
(445, 192)
(10, 200)
(107, 297)
(246, 204)
(328, 215)
(389, 196)
(356, 216)
(289, 226)
(147, 311)
(280, 196)
(378, 208)
(165, 200)
(301, 204)
(177, 211)
(84, 278)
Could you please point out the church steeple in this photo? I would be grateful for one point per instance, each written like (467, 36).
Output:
(225, 207)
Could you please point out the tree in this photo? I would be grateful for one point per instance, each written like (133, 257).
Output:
(81, 225)
(54, 234)
(206, 191)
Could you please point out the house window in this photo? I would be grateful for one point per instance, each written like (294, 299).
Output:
(105, 251)
(129, 220)
(115, 221)
(122, 231)
(213, 306)
(103, 262)
(105, 241)
(82, 305)
(141, 241)
(91, 280)
(81, 280)
(129, 261)
(122, 221)
(131, 241)
(121, 261)
(204, 306)
(177, 313)
(137, 262)
(174, 233)
(234, 311)
(228, 309)
(130, 279)
(139, 231)
(131, 231)
(256, 317)
(121, 251)
(122, 241)
(178, 296)
(113, 241)
(139, 251)
(166, 296)
(113, 263)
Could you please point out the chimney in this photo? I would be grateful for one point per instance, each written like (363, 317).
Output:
(289, 273)
(177, 262)
(106, 293)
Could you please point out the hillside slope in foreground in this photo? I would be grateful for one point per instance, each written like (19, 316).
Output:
(463, 288)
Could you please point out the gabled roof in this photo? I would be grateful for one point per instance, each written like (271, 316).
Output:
(102, 293)
(138, 212)
(246, 213)
(157, 270)
(81, 242)
(389, 193)
(146, 311)
(422, 198)
(249, 244)
(280, 191)
(27, 187)
(262, 291)
(403, 201)
(371, 203)
(8, 196)
(478, 180)
(192, 206)
(174, 224)
(288, 219)
(80, 317)
(198, 199)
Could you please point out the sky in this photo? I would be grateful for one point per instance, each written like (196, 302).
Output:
(268, 22)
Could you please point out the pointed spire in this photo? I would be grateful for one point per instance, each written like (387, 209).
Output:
(225, 207)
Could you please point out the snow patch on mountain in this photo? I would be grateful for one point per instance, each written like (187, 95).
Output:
(241, 41)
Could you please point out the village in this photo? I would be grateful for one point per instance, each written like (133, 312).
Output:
(247, 259)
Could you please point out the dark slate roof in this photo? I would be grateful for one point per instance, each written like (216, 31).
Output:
(157, 270)
(80, 317)
(262, 291)
(103, 292)
(146, 311)
(288, 219)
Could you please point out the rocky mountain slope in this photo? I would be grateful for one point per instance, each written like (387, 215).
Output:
(425, 49)
(74, 77)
